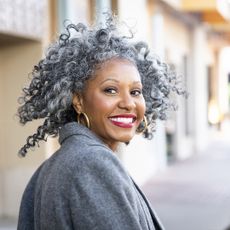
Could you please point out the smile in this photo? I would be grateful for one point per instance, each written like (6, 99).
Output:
(123, 121)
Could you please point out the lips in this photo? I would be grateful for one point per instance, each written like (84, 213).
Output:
(123, 120)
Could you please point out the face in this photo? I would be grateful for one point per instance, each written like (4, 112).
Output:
(113, 101)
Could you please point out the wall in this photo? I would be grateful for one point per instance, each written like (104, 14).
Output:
(74, 11)
(193, 44)
(223, 90)
(136, 18)
(199, 97)
(17, 60)
(1, 140)
(143, 158)
(177, 32)
(174, 3)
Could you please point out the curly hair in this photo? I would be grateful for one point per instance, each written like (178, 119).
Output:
(72, 60)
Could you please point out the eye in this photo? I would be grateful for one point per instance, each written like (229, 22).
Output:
(110, 90)
(136, 92)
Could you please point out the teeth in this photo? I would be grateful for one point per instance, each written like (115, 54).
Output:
(126, 120)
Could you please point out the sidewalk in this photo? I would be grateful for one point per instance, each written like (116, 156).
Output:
(7, 224)
(195, 194)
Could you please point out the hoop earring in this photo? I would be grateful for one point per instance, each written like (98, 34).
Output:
(143, 126)
(85, 117)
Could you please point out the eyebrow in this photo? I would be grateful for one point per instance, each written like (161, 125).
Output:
(115, 80)
(109, 79)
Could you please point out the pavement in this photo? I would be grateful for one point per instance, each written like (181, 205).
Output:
(195, 194)
(8, 224)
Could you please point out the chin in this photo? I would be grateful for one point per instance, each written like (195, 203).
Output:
(126, 138)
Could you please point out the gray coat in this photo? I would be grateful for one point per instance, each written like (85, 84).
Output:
(84, 186)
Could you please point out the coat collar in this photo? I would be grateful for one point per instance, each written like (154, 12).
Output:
(74, 128)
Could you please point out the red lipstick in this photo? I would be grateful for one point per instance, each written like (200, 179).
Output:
(123, 120)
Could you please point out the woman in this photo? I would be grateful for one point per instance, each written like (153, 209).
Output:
(94, 89)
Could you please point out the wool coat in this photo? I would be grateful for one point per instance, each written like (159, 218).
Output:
(84, 186)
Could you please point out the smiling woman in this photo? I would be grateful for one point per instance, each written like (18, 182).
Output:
(95, 89)
(118, 105)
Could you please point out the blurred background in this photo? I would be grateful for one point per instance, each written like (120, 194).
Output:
(186, 165)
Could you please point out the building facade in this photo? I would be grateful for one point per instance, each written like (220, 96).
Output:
(188, 36)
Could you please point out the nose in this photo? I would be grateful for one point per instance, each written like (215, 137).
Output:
(127, 102)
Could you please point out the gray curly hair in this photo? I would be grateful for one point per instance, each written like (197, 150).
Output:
(72, 60)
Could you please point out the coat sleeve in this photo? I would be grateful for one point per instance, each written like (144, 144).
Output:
(102, 195)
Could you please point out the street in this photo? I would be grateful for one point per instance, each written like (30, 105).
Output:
(195, 194)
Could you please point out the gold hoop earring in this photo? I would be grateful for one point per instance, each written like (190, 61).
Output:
(143, 126)
(85, 117)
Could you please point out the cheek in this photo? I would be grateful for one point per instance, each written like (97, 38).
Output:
(98, 106)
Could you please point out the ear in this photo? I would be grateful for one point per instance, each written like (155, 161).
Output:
(77, 102)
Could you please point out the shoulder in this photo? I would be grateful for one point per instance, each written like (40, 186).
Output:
(93, 163)
(82, 150)
(81, 147)
(79, 157)
(96, 160)
(101, 158)
(82, 160)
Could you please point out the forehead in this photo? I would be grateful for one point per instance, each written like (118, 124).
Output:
(117, 69)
